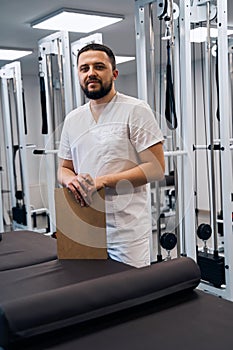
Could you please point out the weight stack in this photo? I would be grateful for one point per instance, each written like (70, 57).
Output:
(20, 215)
(212, 268)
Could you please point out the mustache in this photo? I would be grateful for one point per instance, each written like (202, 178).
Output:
(91, 80)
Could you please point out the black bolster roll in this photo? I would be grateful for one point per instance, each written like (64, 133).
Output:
(70, 305)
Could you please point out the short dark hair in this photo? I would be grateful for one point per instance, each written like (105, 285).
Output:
(99, 47)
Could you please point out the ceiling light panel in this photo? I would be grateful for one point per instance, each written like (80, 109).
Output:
(10, 55)
(123, 59)
(67, 20)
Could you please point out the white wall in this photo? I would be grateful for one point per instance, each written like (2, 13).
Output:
(127, 84)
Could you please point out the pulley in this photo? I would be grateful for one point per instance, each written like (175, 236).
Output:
(204, 231)
(168, 240)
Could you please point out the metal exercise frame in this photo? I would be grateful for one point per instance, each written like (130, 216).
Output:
(1, 206)
(187, 13)
(12, 71)
(184, 168)
(226, 182)
(56, 44)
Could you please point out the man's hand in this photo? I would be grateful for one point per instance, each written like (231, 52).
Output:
(82, 186)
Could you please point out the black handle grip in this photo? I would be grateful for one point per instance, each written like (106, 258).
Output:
(217, 85)
(43, 106)
(39, 151)
(170, 107)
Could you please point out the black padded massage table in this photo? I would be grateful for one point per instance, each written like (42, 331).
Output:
(103, 304)
(24, 248)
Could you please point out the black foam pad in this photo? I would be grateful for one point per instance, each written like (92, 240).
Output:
(25, 248)
(70, 305)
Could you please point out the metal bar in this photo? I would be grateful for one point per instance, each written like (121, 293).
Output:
(178, 161)
(5, 74)
(141, 51)
(226, 156)
(187, 128)
(60, 74)
(12, 72)
(68, 94)
(213, 209)
(1, 206)
(22, 143)
(142, 69)
(49, 46)
(49, 138)
(153, 106)
(175, 153)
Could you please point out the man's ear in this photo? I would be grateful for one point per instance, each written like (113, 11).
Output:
(115, 74)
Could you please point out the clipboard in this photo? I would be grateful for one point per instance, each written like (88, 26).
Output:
(80, 231)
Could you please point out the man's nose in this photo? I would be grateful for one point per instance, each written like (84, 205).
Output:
(91, 71)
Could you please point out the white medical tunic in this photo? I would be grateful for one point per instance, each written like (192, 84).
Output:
(125, 127)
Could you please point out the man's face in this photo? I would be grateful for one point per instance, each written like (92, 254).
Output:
(95, 74)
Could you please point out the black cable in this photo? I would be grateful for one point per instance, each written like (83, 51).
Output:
(205, 122)
(195, 131)
(24, 113)
(217, 82)
(164, 10)
(170, 108)
(218, 118)
(43, 106)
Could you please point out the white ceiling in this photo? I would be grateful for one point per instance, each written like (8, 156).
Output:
(16, 31)
(17, 15)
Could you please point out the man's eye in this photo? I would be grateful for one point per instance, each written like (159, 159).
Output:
(99, 67)
(83, 69)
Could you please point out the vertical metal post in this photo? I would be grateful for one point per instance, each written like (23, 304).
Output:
(49, 144)
(178, 161)
(22, 142)
(141, 50)
(213, 210)
(226, 156)
(153, 106)
(66, 71)
(57, 44)
(13, 71)
(1, 206)
(187, 128)
(8, 136)
(142, 72)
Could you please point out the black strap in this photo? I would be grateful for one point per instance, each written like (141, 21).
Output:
(217, 84)
(164, 10)
(170, 108)
(24, 115)
(43, 106)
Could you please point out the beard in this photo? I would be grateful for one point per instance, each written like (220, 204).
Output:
(97, 94)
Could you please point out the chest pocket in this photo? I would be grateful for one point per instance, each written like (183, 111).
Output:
(114, 141)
